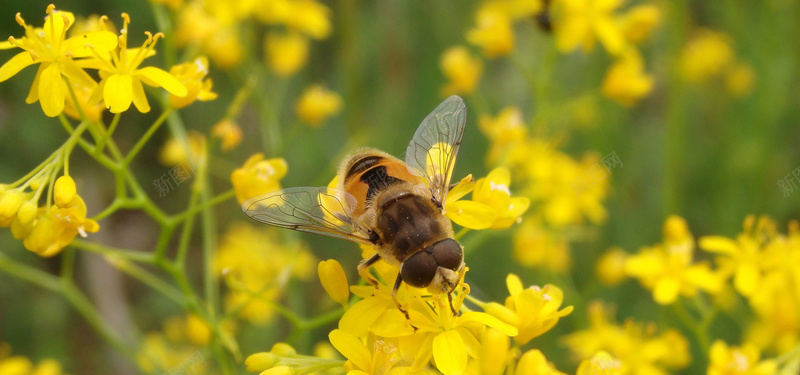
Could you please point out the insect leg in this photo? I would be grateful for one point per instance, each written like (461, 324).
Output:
(394, 296)
(363, 269)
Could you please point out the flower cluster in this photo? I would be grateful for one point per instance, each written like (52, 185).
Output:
(180, 338)
(377, 337)
(64, 60)
(20, 365)
(708, 55)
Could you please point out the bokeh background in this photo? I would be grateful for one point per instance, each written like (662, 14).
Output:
(698, 149)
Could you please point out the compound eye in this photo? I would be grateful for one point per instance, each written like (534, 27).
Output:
(419, 270)
(448, 254)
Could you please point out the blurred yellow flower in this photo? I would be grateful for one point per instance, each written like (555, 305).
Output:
(739, 79)
(256, 268)
(229, 132)
(639, 22)
(584, 21)
(516, 9)
(172, 4)
(173, 153)
(47, 45)
(610, 267)
(92, 111)
(534, 362)
(193, 76)
(536, 246)
(258, 176)
(626, 82)
(122, 78)
(493, 33)
(310, 17)
(214, 26)
(536, 309)
(462, 70)
(668, 269)
(744, 360)
(286, 53)
(706, 55)
(635, 345)
(317, 104)
(19, 365)
(505, 131)
(178, 342)
(56, 228)
(601, 363)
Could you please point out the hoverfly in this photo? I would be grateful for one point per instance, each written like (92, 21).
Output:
(395, 206)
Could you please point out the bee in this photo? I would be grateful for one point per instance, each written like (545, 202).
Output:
(395, 206)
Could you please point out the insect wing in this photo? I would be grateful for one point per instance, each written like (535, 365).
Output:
(432, 152)
(321, 210)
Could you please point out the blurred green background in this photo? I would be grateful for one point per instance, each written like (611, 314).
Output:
(690, 150)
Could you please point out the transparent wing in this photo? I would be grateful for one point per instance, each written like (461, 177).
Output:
(320, 210)
(432, 152)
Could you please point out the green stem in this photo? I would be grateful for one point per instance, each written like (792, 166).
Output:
(146, 277)
(29, 274)
(146, 137)
(204, 205)
(132, 255)
(102, 143)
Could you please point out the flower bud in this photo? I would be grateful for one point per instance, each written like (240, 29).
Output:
(65, 192)
(283, 349)
(27, 212)
(333, 279)
(10, 201)
(261, 361)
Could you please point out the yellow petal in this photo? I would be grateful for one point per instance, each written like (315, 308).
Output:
(666, 290)
(139, 99)
(350, 347)
(746, 279)
(361, 315)
(52, 90)
(334, 281)
(449, 352)
(157, 77)
(461, 189)
(33, 93)
(718, 245)
(101, 41)
(392, 323)
(118, 92)
(77, 75)
(13, 66)
(514, 284)
(469, 214)
(490, 321)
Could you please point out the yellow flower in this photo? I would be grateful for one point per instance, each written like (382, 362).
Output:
(48, 46)
(495, 352)
(467, 213)
(193, 76)
(536, 310)
(537, 246)
(19, 365)
(626, 82)
(610, 268)
(743, 258)
(534, 362)
(257, 177)
(282, 359)
(504, 132)
(461, 70)
(744, 360)
(449, 339)
(317, 104)
(584, 21)
(493, 32)
(229, 132)
(256, 268)
(706, 55)
(493, 191)
(65, 192)
(635, 345)
(10, 203)
(286, 53)
(334, 281)
(639, 21)
(739, 80)
(309, 17)
(122, 77)
(56, 228)
(173, 153)
(668, 269)
(381, 357)
(601, 363)
(516, 9)
(92, 111)
(213, 25)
